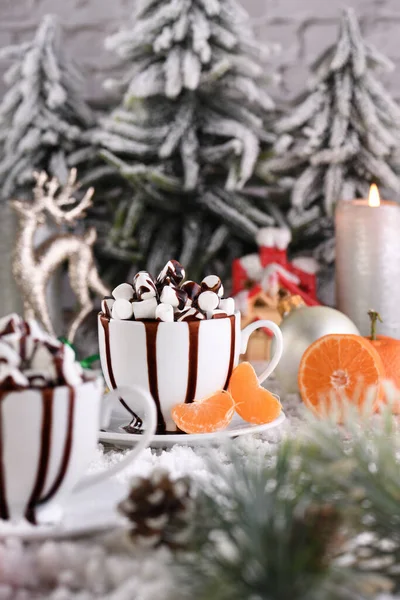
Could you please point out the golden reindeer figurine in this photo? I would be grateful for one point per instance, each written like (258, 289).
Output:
(33, 266)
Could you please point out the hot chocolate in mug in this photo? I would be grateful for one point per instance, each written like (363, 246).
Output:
(179, 361)
(48, 438)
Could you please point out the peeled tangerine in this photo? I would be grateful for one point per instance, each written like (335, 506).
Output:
(252, 402)
(339, 368)
(205, 416)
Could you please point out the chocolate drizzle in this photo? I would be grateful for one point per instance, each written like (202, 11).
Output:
(151, 345)
(47, 419)
(233, 344)
(193, 360)
(4, 512)
(67, 449)
(136, 424)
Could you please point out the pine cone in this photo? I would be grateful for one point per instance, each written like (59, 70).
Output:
(159, 510)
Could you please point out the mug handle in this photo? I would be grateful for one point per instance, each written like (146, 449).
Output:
(246, 333)
(151, 426)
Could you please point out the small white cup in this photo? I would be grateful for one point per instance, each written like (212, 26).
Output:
(48, 438)
(177, 362)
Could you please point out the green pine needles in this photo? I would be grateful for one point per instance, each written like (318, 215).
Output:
(319, 520)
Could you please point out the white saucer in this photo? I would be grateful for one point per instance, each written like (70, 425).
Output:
(91, 511)
(113, 434)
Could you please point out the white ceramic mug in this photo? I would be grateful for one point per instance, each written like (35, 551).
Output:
(177, 362)
(48, 438)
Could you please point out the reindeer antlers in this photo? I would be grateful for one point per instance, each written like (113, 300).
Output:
(45, 198)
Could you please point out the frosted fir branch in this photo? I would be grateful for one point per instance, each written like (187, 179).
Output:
(30, 142)
(9, 183)
(302, 113)
(181, 27)
(380, 96)
(122, 145)
(241, 224)
(380, 170)
(146, 28)
(189, 154)
(222, 37)
(95, 174)
(378, 60)
(218, 153)
(164, 40)
(343, 86)
(218, 71)
(148, 135)
(191, 70)
(172, 73)
(167, 245)
(366, 108)
(244, 206)
(279, 164)
(238, 112)
(9, 104)
(343, 49)
(377, 146)
(241, 64)
(333, 182)
(358, 55)
(14, 52)
(349, 189)
(191, 237)
(145, 84)
(143, 7)
(337, 155)
(12, 75)
(309, 179)
(82, 155)
(212, 8)
(181, 123)
(301, 218)
(58, 166)
(216, 242)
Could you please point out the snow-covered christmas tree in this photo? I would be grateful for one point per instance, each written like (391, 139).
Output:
(44, 120)
(188, 131)
(343, 135)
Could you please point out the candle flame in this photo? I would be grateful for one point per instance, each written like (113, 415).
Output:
(374, 198)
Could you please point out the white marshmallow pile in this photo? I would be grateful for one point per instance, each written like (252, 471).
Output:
(168, 298)
(30, 358)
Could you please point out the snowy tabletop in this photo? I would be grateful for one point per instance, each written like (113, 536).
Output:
(106, 566)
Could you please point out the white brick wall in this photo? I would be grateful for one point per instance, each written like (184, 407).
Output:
(302, 27)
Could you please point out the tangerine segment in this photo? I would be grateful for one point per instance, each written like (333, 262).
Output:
(253, 403)
(338, 367)
(205, 416)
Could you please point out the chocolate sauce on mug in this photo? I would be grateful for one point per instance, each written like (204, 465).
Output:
(193, 360)
(4, 512)
(151, 346)
(44, 457)
(67, 449)
(232, 356)
(136, 424)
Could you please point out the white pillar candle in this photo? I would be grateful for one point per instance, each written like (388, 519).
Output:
(368, 262)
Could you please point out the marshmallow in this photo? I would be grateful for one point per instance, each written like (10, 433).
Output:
(208, 301)
(191, 314)
(165, 312)
(71, 370)
(9, 355)
(122, 309)
(218, 314)
(173, 272)
(11, 324)
(123, 291)
(22, 344)
(212, 283)
(227, 305)
(11, 377)
(192, 290)
(106, 306)
(173, 296)
(145, 309)
(43, 363)
(144, 286)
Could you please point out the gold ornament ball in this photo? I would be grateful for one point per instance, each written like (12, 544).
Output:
(300, 328)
